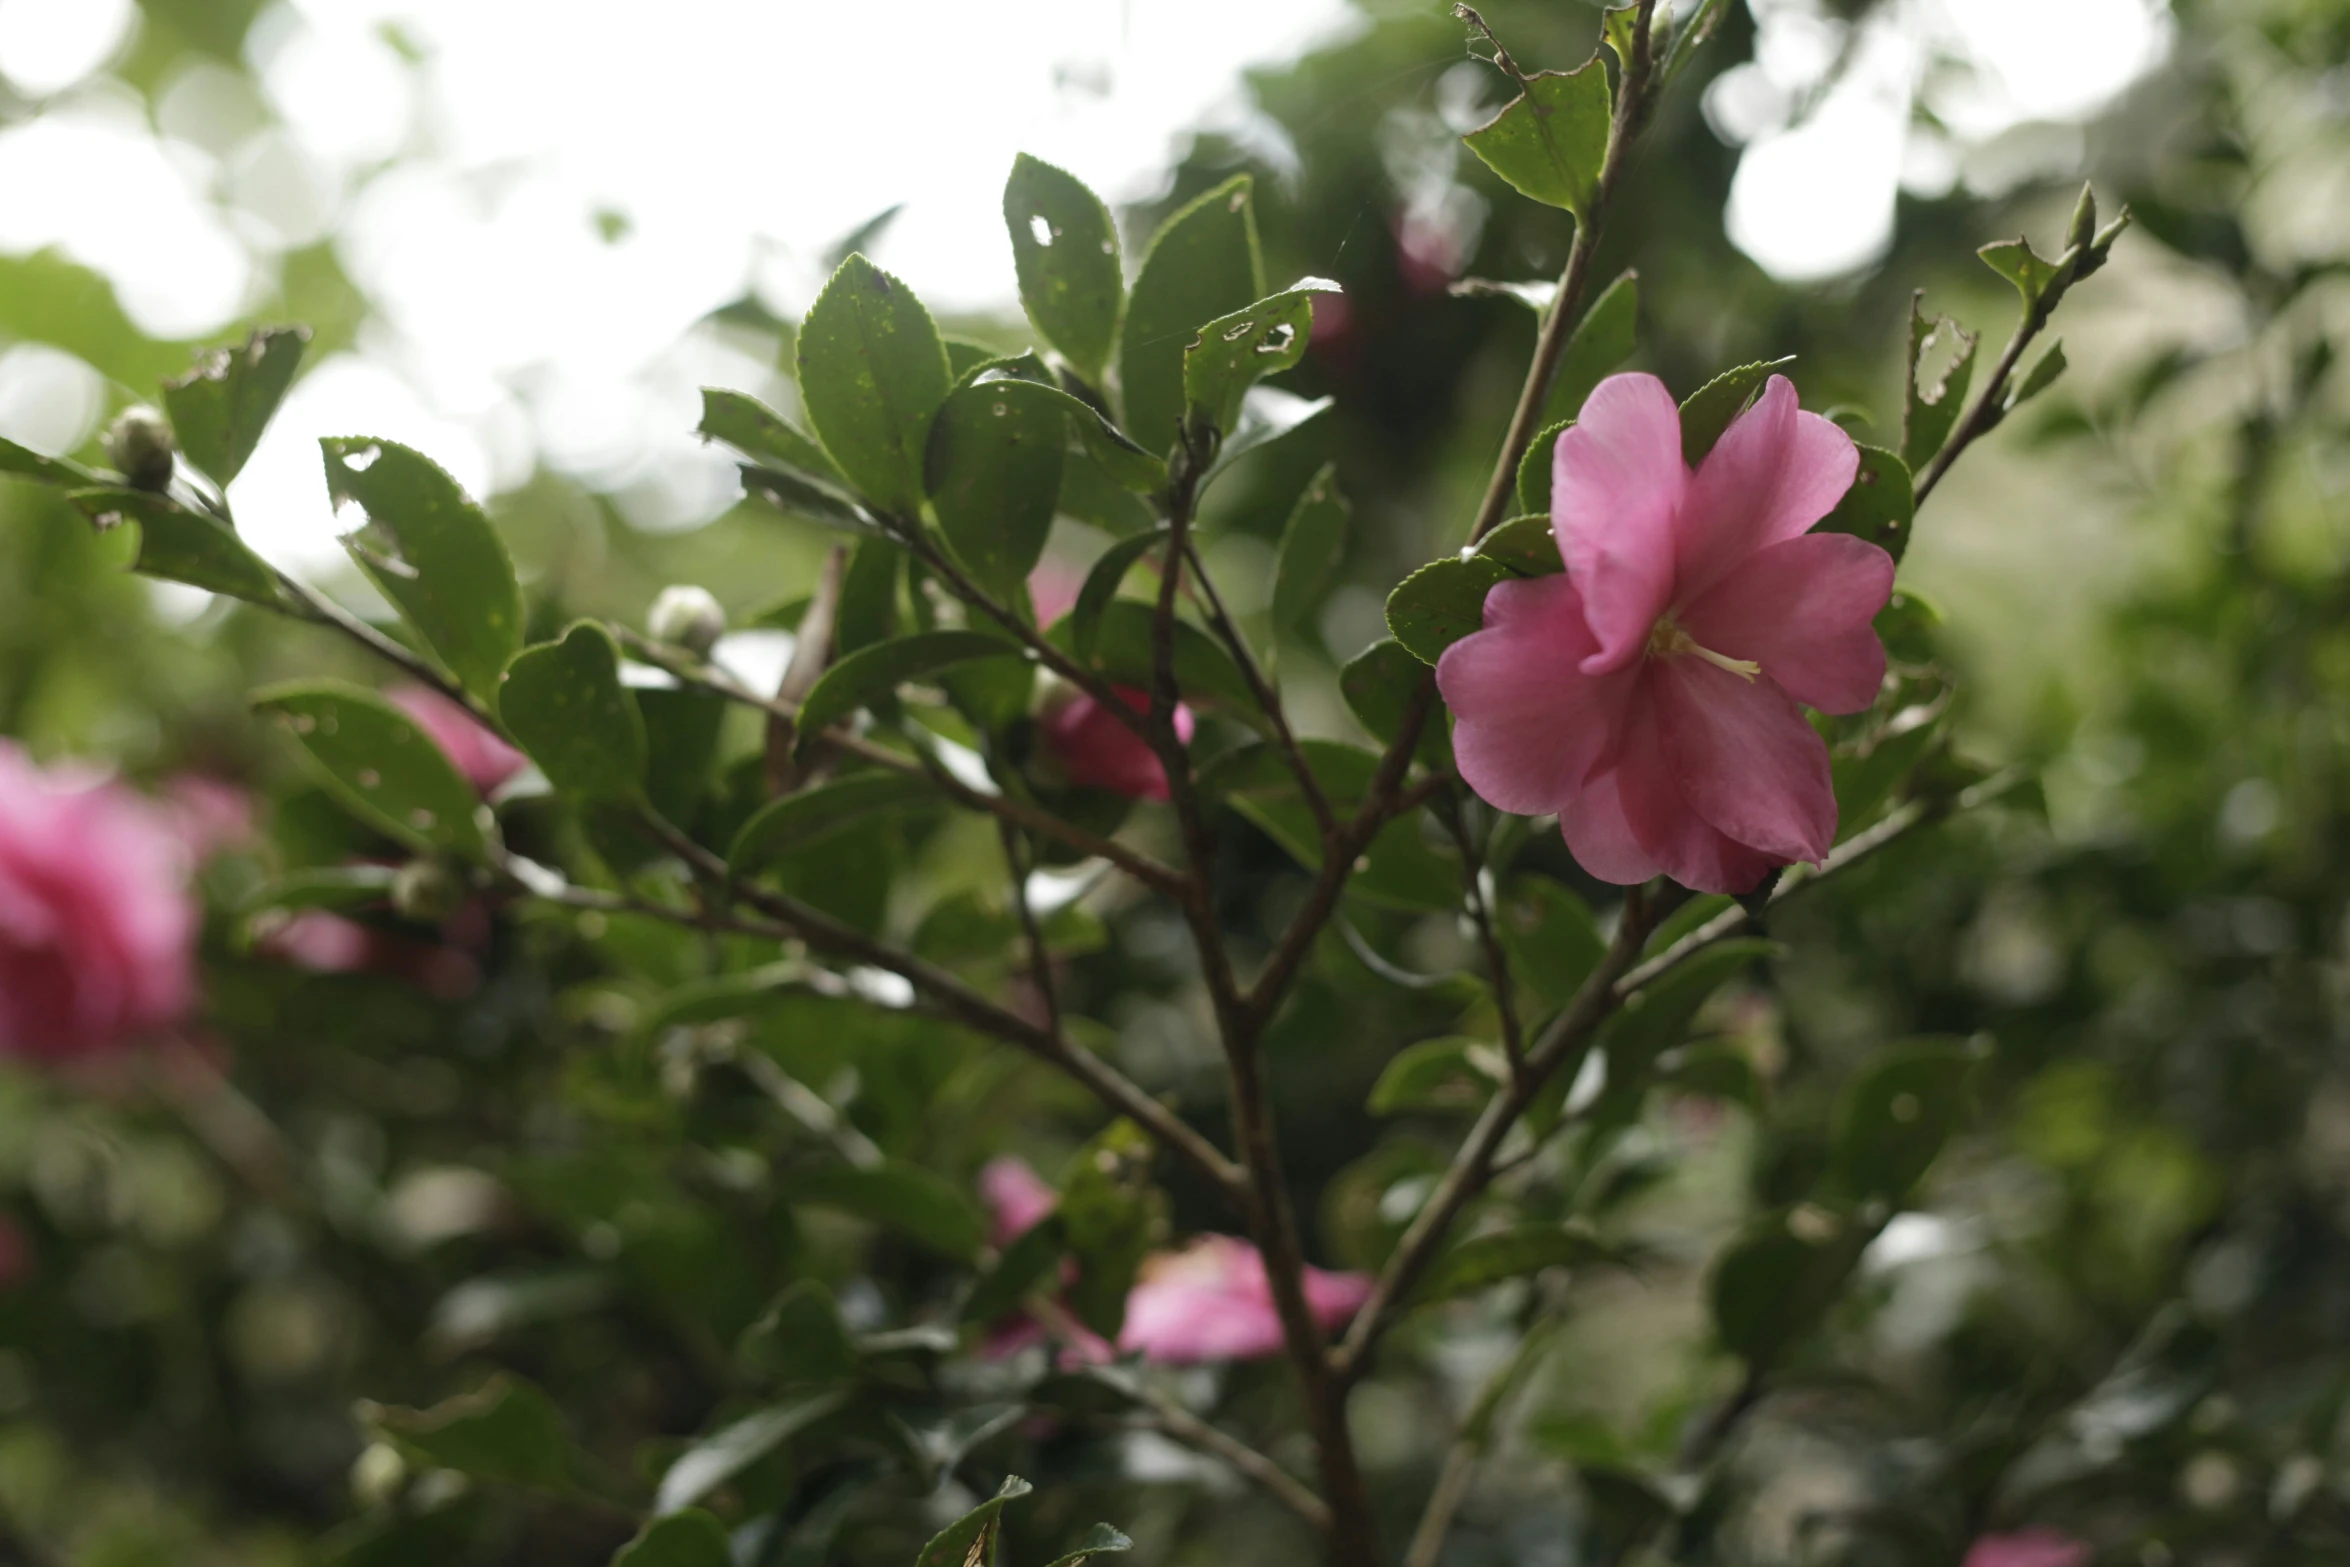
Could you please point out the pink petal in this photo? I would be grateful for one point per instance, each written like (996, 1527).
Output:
(1016, 1196)
(486, 760)
(1617, 482)
(1687, 847)
(1097, 751)
(1334, 1298)
(1600, 837)
(1802, 609)
(1530, 724)
(2034, 1547)
(1744, 758)
(1774, 473)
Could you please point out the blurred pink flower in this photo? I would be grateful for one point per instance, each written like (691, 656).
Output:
(484, 759)
(321, 942)
(1096, 751)
(208, 814)
(1052, 590)
(2034, 1547)
(1649, 695)
(1016, 1196)
(97, 924)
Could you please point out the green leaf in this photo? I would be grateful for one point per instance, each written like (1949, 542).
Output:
(873, 372)
(433, 554)
(868, 610)
(1091, 495)
(761, 434)
(870, 674)
(689, 1539)
(1779, 1278)
(564, 704)
(1114, 451)
(379, 765)
(682, 729)
(727, 1452)
(1313, 545)
(1528, 546)
(26, 463)
(1024, 1264)
(1715, 1071)
(1100, 1539)
(1399, 870)
(1378, 684)
(1106, 1213)
(1897, 1112)
(1203, 264)
(506, 1430)
(1234, 352)
(1619, 25)
(796, 497)
(1268, 417)
(1101, 587)
(1550, 140)
(1441, 603)
(1435, 1074)
(180, 545)
(326, 887)
(1604, 339)
(798, 1339)
(1551, 937)
(220, 407)
(1880, 505)
(1534, 469)
(2040, 378)
(903, 1197)
(1865, 779)
(798, 820)
(994, 474)
(1508, 1254)
(1658, 1017)
(1714, 406)
(1929, 412)
(1204, 672)
(1065, 249)
(2016, 261)
(970, 1541)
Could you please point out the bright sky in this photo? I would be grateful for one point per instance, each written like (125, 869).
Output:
(728, 143)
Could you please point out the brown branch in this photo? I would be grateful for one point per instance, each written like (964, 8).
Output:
(1497, 960)
(1040, 961)
(1266, 695)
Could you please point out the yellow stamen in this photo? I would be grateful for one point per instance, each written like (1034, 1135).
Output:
(1669, 638)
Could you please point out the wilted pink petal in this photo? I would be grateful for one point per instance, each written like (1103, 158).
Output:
(2034, 1547)
(1016, 1196)
(97, 924)
(484, 759)
(1649, 697)
(1212, 1301)
(1095, 749)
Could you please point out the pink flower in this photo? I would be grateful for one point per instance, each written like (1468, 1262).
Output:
(2035, 1547)
(97, 925)
(208, 814)
(1097, 751)
(1017, 1196)
(1649, 696)
(1212, 1301)
(484, 759)
(1052, 590)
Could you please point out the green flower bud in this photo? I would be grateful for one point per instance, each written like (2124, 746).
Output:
(139, 445)
(689, 618)
(428, 891)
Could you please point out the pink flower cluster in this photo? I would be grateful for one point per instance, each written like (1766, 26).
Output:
(1652, 697)
(1209, 1300)
(1090, 744)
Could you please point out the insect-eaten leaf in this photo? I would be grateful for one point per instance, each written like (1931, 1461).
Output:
(220, 407)
(1065, 251)
(1550, 140)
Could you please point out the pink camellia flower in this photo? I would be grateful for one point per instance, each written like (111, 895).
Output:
(484, 759)
(2035, 1547)
(1016, 1196)
(97, 924)
(1649, 696)
(1097, 751)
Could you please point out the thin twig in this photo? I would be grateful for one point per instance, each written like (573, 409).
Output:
(1040, 961)
(310, 605)
(1266, 695)
(1497, 960)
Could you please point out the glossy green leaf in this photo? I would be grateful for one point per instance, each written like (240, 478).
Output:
(688, 1539)
(1204, 672)
(1713, 407)
(873, 373)
(798, 820)
(1930, 411)
(682, 730)
(181, 545)
(1866, 778)
(1065, 250)
(339, 887)
(1234, 352)
(800, 1338)
(1897, 1113)
(379, 765)
(1113, 451)
(1378, 684)
(1435, 1074)
(1551, 937)
(1880, 505)
(970, 1541)
(1534, 469)
(26, 463)
(1714, 1071)
(1778, 1279)
(727, 1452)
(796, 497)
(1101, 1539)
(432, 552)
(1203, 264)
(1604, 339)
(994, 474)
(1106, 1212)
(1090, 495)
(1028, 1261)
(1313, 546)
(868, 610)
(1101, 587)
(1507, 1254)
(871, 674)
(1658, 1016)
(2016, 261)
(507, 1431)
(2039, 378)
(1399, 870)
(1528, 546)
(1550, 140)
(906, 1198)
(220, 407)
(761, 434)
(1269, 417)
(1441, 603)
(564, 704)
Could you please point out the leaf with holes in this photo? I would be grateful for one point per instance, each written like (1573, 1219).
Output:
(1897, 1113)
(1880, 505)
(1065, 251)
(870, 674)
(1233, 353)
(1313, 545)
(434, 554)
(1550, 140)
(379, 765)
(814, 815)
(1604, 339)
(564, 704)
(1441, 603)
(970, 1540)
(1713, 407)
(180, 545)
(1099, 1540)
(761, 434)
(1930, 411)
(873, 374)
(994, 473)
(1202, 265)
(220, 407)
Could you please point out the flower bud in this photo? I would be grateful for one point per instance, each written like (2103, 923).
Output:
(428, 891)
(688, 617)
(2083, 232)
(139, 445)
